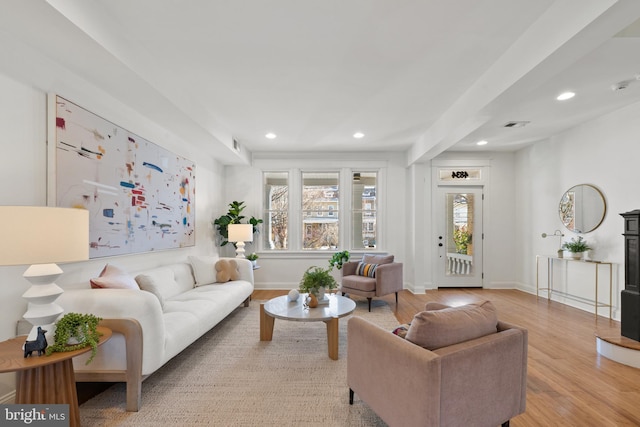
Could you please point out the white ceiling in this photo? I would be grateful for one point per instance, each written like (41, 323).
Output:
(421, 77)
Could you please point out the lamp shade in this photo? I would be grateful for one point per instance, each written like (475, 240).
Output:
(240, 233)
(41, 235)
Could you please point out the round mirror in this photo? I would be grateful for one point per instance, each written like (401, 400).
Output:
(582, 208)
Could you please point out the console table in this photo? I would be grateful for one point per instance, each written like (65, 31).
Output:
(550, 290)
(45, 379)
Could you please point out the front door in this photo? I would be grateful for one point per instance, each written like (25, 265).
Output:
(459, 236)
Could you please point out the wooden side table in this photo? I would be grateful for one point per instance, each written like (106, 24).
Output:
(45, 379)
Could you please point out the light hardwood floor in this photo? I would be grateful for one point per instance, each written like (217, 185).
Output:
(569, 384)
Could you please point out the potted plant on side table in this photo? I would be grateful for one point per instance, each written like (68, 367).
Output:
(253, 257)
(576, 247)
(75, 331)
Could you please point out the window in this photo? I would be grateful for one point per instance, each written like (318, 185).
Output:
(318, 215)
(363, 210)
(276, 221)
(320, 191)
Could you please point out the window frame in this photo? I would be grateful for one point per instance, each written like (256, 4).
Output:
(295, 225)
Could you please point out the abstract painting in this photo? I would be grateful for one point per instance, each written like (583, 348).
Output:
(141, 197)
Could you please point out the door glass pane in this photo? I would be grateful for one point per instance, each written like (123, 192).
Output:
(459, 260)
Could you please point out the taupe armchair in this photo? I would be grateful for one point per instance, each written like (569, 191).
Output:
(387, 280)
(477, 382)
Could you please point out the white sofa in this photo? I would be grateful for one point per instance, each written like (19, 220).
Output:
(180, 302)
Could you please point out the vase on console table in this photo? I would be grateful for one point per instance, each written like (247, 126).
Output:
(573, 255)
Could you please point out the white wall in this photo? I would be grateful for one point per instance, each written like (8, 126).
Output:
(23, 171)
(604, 153)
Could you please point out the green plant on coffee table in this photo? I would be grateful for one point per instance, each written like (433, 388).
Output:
(338, 259)
(576, 245)
(315, 278)
(81, 327)
(252, 256)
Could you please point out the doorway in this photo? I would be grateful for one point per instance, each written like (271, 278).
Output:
(459, 236)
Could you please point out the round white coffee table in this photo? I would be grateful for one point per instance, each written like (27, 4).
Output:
(282, 308)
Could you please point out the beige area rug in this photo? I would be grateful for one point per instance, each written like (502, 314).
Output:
(230, 378)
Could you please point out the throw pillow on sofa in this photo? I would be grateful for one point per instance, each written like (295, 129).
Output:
(433, 329)
(112, 277)
(204, 269)
(161, 282)
(226, 270)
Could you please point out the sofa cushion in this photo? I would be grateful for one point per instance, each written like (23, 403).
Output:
(204, 269)
(112, 277)
(226, 270)
(361, 283)
(377, 259)
(161, 282)
(368, 270)
(444, 327)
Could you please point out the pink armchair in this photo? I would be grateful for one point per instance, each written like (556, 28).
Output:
(387, 280)
(475, 382)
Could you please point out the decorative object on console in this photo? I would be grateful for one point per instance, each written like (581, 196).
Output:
(576, 247)
(75, 331)
(556, 233)
(240, 233)
(43, 236)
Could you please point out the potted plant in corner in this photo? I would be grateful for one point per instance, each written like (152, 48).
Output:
(315, 281)
(233, 216)
(576, 247)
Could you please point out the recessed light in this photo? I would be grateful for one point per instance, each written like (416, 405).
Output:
(270, 135)
(566, 95)
(483, 142)
(358, 135)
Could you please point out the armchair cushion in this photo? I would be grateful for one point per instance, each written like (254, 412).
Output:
(377, 259)
(433, 329)
(368, 270)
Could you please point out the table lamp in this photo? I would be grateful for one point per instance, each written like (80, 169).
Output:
(240, 233)
(43, 236)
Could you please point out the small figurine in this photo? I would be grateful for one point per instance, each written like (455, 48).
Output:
(39, 344)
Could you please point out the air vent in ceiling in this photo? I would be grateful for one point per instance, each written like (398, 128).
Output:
(516, 124)
(236, 145)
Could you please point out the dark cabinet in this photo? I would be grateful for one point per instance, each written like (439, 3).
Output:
(630, 296)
